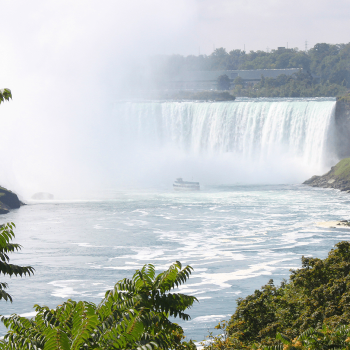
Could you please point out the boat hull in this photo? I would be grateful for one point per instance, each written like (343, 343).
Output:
(186, 188)
(180, 185)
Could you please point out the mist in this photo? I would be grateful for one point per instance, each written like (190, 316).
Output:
(67, 64)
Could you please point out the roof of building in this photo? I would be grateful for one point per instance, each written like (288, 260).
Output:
(232, 74)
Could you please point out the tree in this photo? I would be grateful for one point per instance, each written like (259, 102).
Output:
(223, 82)
(315, 298)
(328, 67)
(6, 235)
(5, 95)
(300, 60)
(239, 81)
(315, 339)
(283, 59)
(133, 315)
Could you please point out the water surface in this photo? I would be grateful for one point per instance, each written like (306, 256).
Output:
(235, 237)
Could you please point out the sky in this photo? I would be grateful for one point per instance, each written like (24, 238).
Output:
(271, 23)
(65, 62)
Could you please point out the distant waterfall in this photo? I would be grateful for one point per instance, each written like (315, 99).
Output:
(251, 130)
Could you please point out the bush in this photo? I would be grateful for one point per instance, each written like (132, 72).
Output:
(317, 297)
(135, 314)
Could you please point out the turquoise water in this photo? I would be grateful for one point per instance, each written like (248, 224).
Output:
(235, 237)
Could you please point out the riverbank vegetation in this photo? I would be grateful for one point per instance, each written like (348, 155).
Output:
(310, 311)
(338, 177)
(198, 96)
(325, 69)
(300, 84)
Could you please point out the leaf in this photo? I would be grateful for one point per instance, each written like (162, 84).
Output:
(56, 339)
(85, 321)
(283, 338)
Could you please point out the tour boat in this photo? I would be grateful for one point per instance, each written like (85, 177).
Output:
(180, 185)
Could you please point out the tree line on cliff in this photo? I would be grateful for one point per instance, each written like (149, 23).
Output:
(310, 311)
(325, 69)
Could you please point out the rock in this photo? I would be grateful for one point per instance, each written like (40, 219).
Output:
(4, 209)
(9, 199)
(311, 180)
(342, 127)
(338, 177)
(42, 196)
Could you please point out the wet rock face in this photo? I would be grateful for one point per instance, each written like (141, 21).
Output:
(8, 200)
(342, 129)
(338, 177)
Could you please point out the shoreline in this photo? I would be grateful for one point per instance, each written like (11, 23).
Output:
(334, 224)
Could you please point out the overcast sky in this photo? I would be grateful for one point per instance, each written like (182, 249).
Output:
(62, 60)
(271, 23)
(170, 26)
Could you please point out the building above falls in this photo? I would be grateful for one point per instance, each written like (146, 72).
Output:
(207, 80)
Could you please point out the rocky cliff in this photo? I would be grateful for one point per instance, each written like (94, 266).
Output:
(338, 177)
(8, 200)
(342, 128)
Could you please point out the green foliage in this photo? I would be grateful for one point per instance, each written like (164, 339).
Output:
(327, 67)
(224, 82)
(6, 236)
(344, 98)
(239, 81)
(300, 84)
(342, 169)
(315, 301)
(133, 315)
(201, 96)
(315, 339)
(221, 341)
(325, 338)
(5, 95)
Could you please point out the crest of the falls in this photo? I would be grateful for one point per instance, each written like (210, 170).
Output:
(249, 140)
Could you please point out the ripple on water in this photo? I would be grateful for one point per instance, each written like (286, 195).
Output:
(235, 237)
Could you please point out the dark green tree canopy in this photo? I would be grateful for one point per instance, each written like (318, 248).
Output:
(6, 247)
(5, 95)
(328, 65)
(224, 82)
(316, 296)
(6, 236)
(133, 315)
(238, 81)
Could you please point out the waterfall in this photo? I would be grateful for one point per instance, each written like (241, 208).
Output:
(293, 133)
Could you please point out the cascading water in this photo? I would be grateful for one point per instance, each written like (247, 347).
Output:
(247, 138)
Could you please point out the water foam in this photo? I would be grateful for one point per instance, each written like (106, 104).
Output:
(283, 137)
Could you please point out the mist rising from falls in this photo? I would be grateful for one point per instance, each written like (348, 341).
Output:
(247, 141)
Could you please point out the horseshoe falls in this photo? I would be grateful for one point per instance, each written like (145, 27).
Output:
(245, 141)
(251, 221)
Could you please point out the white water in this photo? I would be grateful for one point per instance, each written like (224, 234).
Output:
(248, 140)
(236, 237)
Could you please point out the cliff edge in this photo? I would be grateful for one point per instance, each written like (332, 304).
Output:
(342, 128)
(338, 177)
(8, 200)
